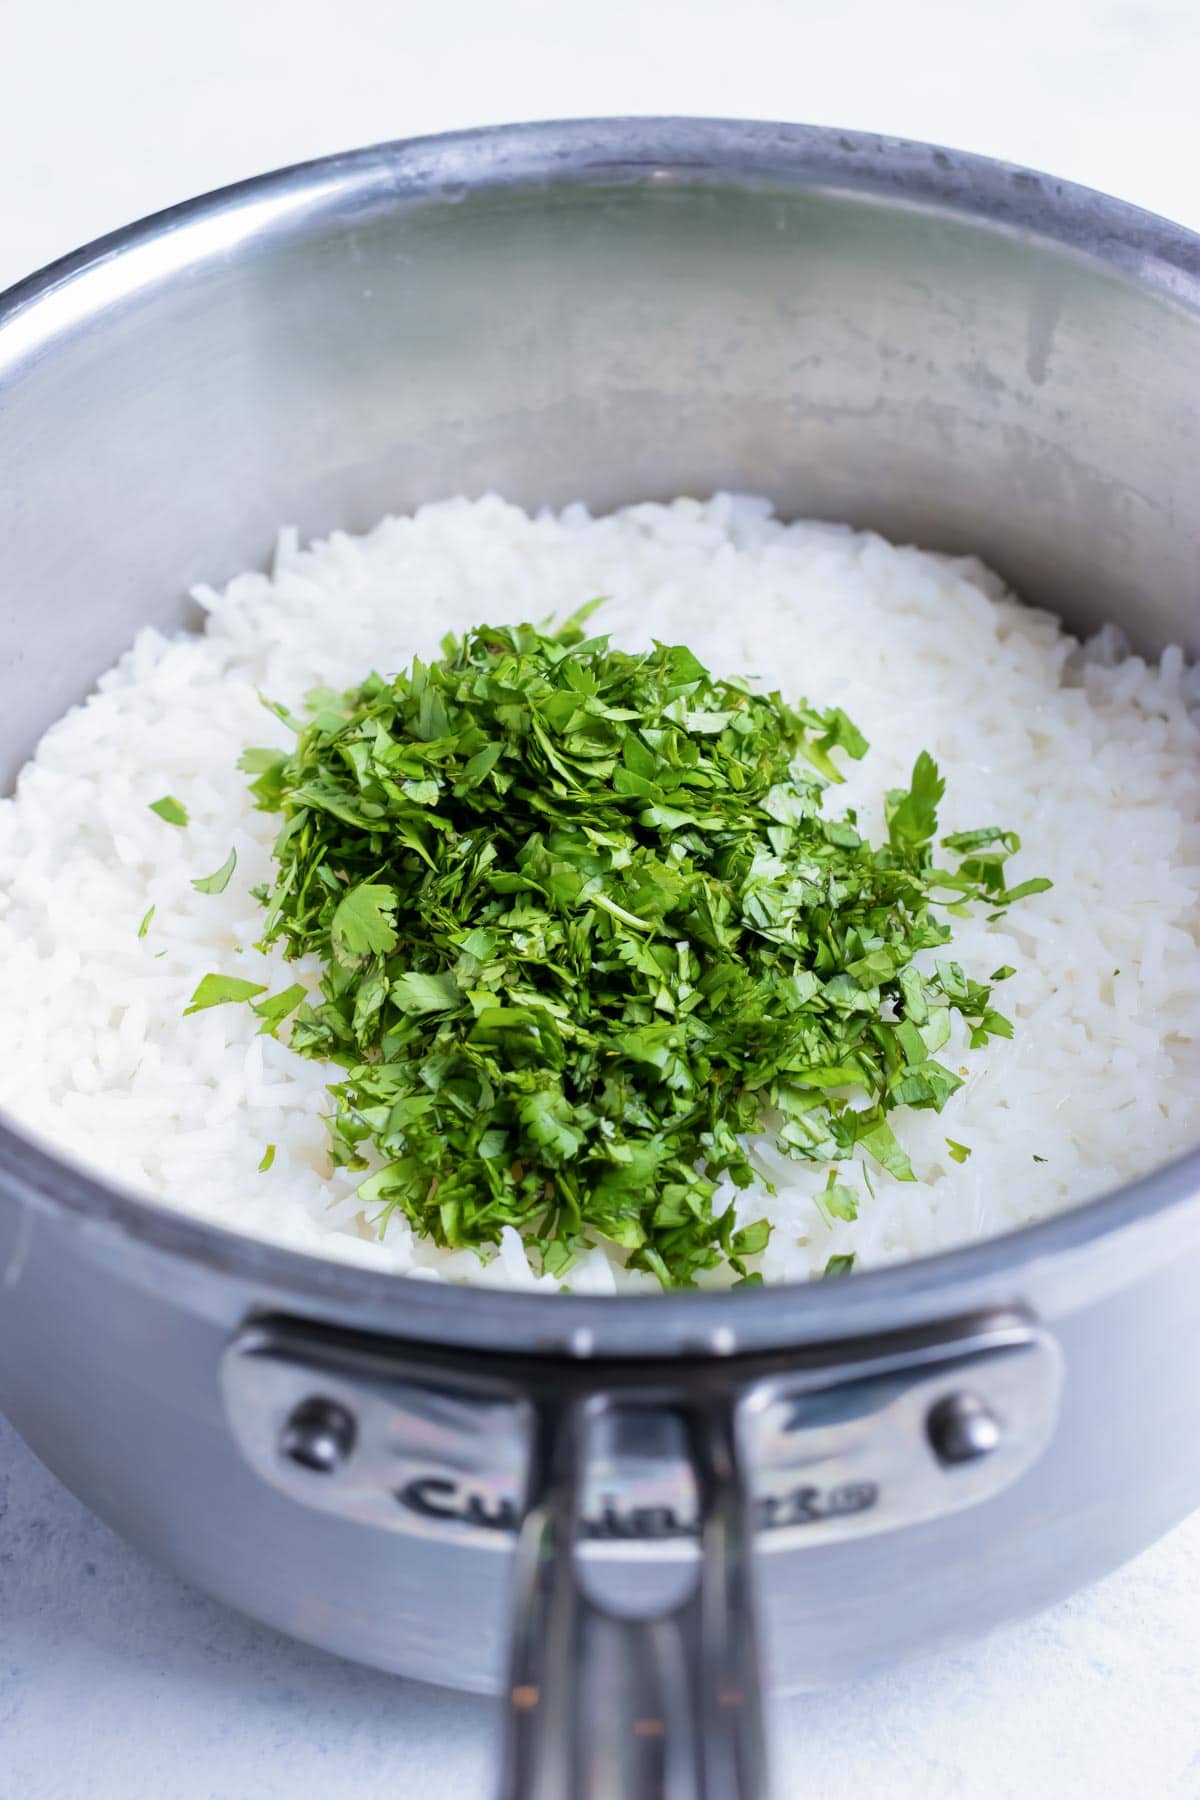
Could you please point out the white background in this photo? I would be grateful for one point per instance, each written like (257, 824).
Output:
(115, 1679)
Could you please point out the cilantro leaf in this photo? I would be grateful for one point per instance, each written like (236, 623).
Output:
(839, 1265)
(416, 993)
(549, 1119)
(751, 1240)
(1037, 885)
(219, 990)
(170, 809)
(364, 922)
(880, 1140)
(276, 1007)
(837, 1200)
(257, 762)
(219, 880)
(912, 816)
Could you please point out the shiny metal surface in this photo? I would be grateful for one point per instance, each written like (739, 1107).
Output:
(612, 1701)
(962, 1428)
(607, 1474)
(948, 349)
(881, 1435)
(318, 1435)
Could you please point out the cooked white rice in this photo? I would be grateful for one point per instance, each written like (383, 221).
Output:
(1091, 754)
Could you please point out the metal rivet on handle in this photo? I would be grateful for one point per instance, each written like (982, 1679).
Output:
(962, 1428)
(319, 1435)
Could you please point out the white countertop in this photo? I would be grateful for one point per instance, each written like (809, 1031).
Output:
(116, 1679)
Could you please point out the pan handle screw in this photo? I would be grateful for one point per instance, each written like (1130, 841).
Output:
(962, 1428)
(319, 1435)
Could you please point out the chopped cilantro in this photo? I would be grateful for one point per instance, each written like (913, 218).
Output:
(144, 927)
(839, 1265)
(268, 1157)
(585, 927)
(959, 1152)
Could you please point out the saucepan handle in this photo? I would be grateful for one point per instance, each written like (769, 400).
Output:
(601, 1705)
(618, 1689)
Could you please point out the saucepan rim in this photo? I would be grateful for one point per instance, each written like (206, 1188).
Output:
(1150, 251)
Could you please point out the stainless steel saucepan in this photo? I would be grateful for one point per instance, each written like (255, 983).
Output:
(956, 352)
